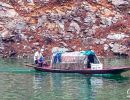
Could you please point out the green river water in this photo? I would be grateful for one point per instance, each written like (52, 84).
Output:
(19, 82)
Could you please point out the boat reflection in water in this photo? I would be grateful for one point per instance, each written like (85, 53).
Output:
(37, 81)
(72, 86)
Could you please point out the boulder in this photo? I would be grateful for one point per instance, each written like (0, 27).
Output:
(41, 20)
(106, 47)
(5, 34)
(121, 49)
(74, 27)
(68, 36)
(89, 20)
(107, 21)
(100, 41)
(20, 26)
(7, 10)
(96, 1)
(117, 36)
(2, 4)
(119, 2)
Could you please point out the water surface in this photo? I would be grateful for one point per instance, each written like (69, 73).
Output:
(19, 82)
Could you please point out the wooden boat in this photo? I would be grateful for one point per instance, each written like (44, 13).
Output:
(114, 70)
(76, 57)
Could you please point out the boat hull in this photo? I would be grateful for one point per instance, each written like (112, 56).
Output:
(116, 70)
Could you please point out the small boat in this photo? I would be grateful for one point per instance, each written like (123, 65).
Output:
(114, 70)
(77, 57)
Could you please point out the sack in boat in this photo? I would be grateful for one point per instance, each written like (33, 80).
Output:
(41, 59)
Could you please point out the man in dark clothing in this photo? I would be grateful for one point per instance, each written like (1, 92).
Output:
(90, 60)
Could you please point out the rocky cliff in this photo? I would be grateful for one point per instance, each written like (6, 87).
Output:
(75, 24)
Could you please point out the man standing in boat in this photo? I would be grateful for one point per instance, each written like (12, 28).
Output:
(56, 55)
(90, 56)
(38, 57)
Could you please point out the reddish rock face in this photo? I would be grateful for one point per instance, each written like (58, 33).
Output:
(77, 24)
(1, 28)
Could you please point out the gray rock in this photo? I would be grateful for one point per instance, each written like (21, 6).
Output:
(96, 1)
(36, 44)
(117, 36)
(73, 47)
(68, 36)
(97, 41)
(106, 47)
(2, 4)
(68, 14)
(31, 37)
(33, 27)
(109, 1)
(106, 21)
(5, 34)
(87, 8)
(90, 19)
(116, 18)
(30, 1)
(42, 20)
(77, 19)
(7, 10)
(20, 25)
(23, 37)
(129, 12)
(60, 25)
(120, 2)
(111, 45)
(73, 13)
(55, 37)
(100, 41)
(121, 49)
(74, 27)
